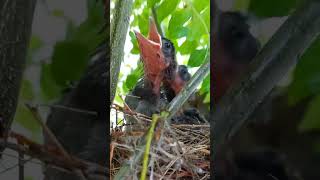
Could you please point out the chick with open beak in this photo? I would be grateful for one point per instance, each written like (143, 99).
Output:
(152, 56)
(144, 97)
(174, 85)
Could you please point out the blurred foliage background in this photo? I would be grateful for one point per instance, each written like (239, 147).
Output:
(185, 22)
(53, 67)
(65, 35)
(302, 86)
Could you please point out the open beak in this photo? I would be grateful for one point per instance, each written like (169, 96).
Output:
(153, 32)
(150, 49)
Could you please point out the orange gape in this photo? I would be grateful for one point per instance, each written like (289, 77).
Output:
(152, 57)
(234, 48)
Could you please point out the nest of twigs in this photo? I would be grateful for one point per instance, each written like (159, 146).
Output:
(178, 151)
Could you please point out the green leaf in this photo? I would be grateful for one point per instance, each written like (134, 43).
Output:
(206, 18)
(306, 80)
(136, 4)
(135, 48)
(311, 119)
(178, 19)
(205, 87)
(69, 61)
(71, 29)
(187, 47)
(143, 22)
(166, 8)
(25, 118)
(197, 57)
(118, 99)
(200, 5)
(95, 7)
(125, 90)
(151, 3)
(26, 91)
(35, 43)
(179, 33)
(135, 22)
(49, 89)
(271, 8)
(207, 98)
(131, 81)
(87, 32)
(57, 13)
(197, 28)
(133, 77)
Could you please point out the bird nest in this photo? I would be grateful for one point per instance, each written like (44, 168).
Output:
(178, 151)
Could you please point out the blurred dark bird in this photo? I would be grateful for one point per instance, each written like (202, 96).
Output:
(83, 134)
(173, 85)
(234, 49)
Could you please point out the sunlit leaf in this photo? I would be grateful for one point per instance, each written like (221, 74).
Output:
(151, 3)
(137, 4)
(207, 98)
(205, 87)
(196, 27)
(133, 77)
(178, 19)
(166, 8)
(200, 5)
(187, 47)
(135, 48)
(197, 57)
(143, 22)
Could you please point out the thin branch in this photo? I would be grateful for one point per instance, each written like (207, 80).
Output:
(67, 108)
(275, 60)
(53, 138)
(119, 29)
(47, 131)
(149, 138)
(40, 152)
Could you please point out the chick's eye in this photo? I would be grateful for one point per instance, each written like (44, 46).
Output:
(167, 45)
